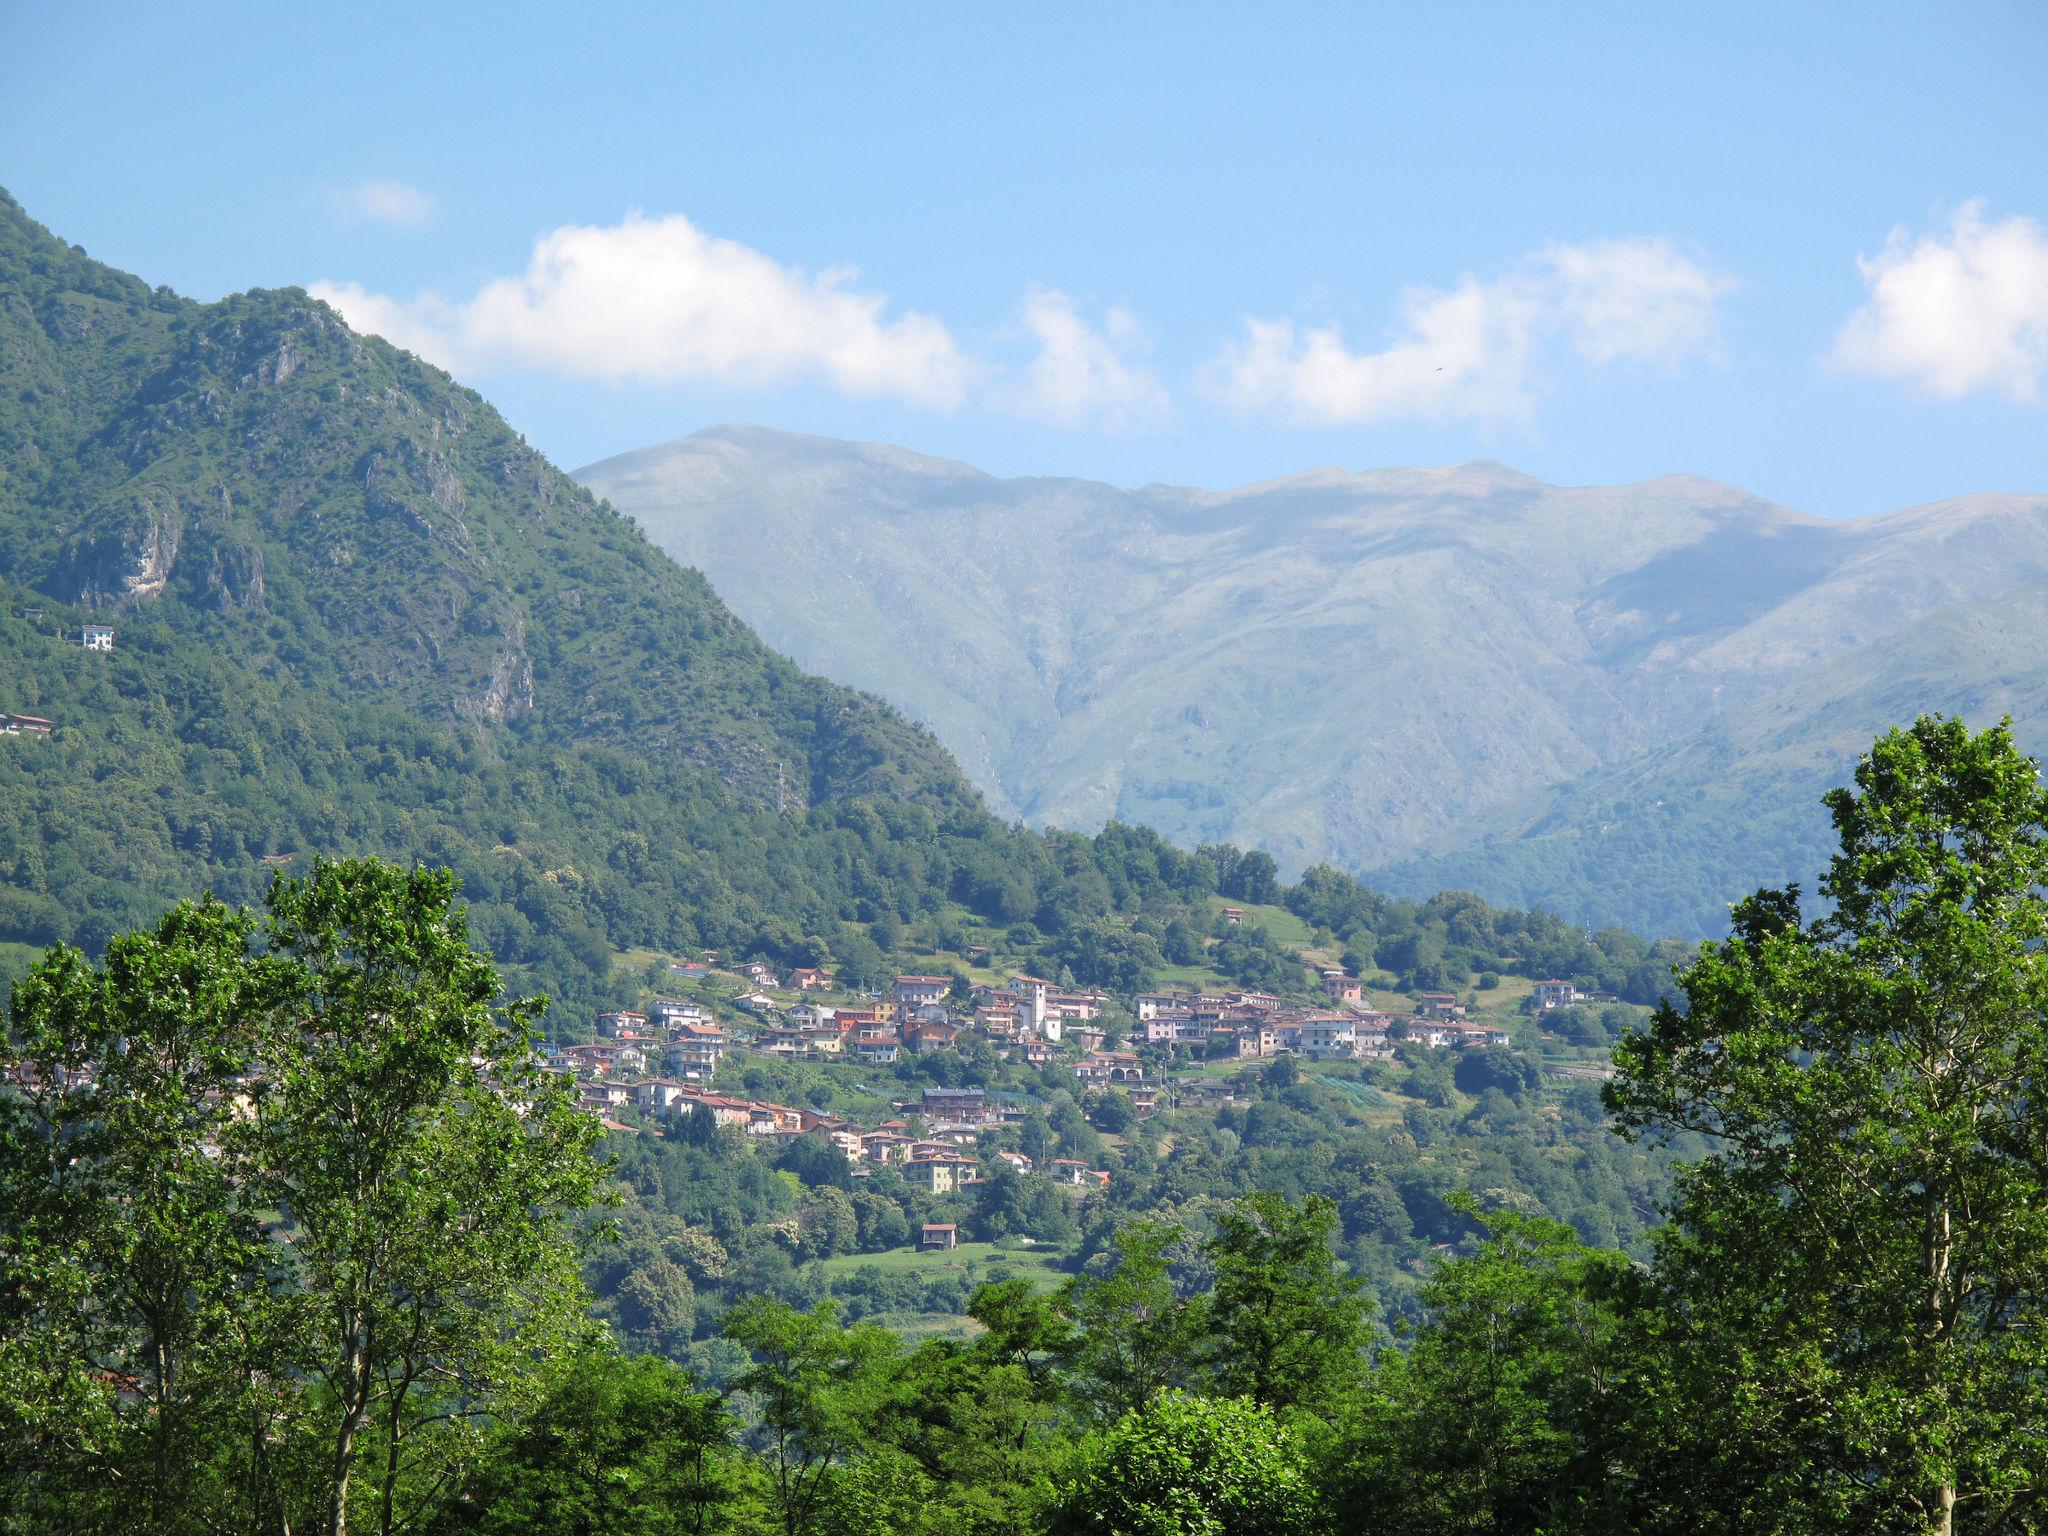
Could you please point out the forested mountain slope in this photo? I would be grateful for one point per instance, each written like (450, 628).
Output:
(1455, 676)
(354, 611)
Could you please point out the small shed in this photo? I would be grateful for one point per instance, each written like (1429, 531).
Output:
(942, 1235)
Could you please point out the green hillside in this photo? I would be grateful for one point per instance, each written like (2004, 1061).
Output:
(1714, 812)
(354, 611)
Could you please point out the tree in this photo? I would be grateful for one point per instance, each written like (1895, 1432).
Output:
(307, 1197)
(615, 1447)
(1286, 1326)
(1112, 1112)
(1183, 943)
(816, 1390)
(827, 1224)
(1862, 1256)
(127, 1253)
(425, 1162)
(860, 958)
(1134, 1334)
(998, 1204)
(1514, 1075)
(1186, 1466)
(816, 1161)
(1510, 1411)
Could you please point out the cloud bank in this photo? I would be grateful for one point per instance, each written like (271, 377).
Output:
(1476, 351)
(1956, 312)
(659, 301)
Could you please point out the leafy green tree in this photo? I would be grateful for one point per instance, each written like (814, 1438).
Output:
(1287, 1327)
(1862, 1257)
(425, 1163)
(816, 1390)
(1020, 1327)
(1112, 1111)
(1373, 1209)
(1513, 1408)
(310, 1197)
(1183, 943)
(1134, 1335)
(1187, 1466)
(654, 1303)
(615, 1446)
(975, 1418)
(1514, 1075)
(129, 1257)
(828, 1224)
(816, 1161)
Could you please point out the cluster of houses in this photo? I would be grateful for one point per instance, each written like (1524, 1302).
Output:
(934, 1152)
(1028, 1019)
(676, 1046)
(1254, 1025)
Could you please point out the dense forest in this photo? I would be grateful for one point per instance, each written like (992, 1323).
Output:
(294, 1229)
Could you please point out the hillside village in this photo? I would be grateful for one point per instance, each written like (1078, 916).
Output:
(1149, 1049)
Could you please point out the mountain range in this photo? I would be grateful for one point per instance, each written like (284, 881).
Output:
(1620, 702)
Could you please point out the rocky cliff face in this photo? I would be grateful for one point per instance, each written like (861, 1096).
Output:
(122, 554)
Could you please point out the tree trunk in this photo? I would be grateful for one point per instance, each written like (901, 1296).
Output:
(355, 1376)
(1938, 1260)
(390, 1490)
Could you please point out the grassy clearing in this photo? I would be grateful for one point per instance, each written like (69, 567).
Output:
(974, 1261)
(915, 1327)
(1278, 921)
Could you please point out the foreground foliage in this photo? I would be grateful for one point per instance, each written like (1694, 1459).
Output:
(283, 1246)
(283, 1208)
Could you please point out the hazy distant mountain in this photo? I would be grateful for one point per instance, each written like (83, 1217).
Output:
(1619, 701)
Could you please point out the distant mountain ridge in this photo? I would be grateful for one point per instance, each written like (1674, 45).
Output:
(1618, 701)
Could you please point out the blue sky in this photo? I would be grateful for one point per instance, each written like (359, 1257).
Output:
(1799, 248)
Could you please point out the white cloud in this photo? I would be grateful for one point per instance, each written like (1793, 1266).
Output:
(660, 301)
(1477, 350)
(1084, 375)
(375, 201)
(1955, 312)
(1636, 301)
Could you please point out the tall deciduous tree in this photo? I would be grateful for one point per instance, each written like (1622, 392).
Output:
(1515, 1406)
(1863, 1256)
(1188, 1466)
(424, 1161)
(1133, 1335)
(1287, 1326)
(274, 1198)
(130, 1262)
(815, 1389)
(615, 1447)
